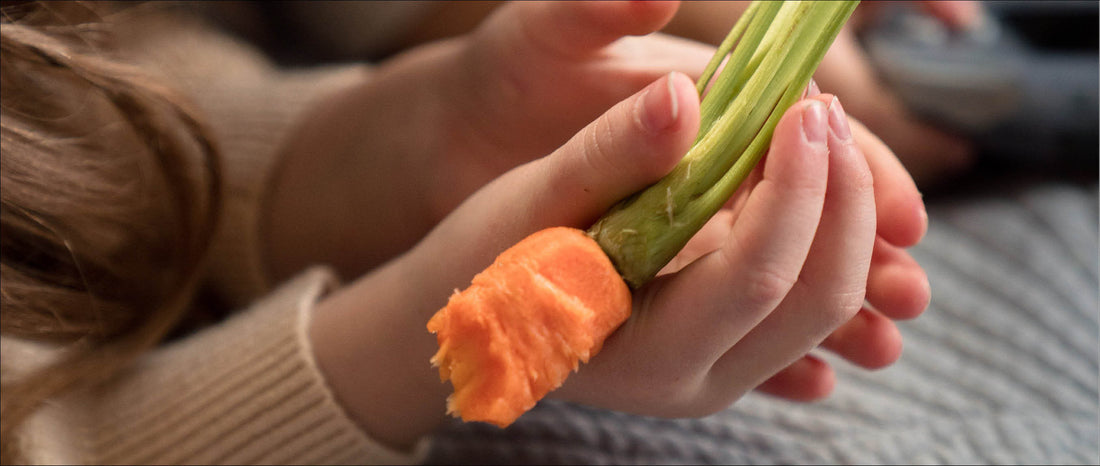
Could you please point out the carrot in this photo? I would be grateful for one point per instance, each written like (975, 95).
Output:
(778, 47)
(525, 322)
(549, 302)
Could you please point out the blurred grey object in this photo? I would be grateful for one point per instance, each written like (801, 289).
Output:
(1022, 84)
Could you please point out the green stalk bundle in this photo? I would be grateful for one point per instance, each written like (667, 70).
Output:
(778, 47)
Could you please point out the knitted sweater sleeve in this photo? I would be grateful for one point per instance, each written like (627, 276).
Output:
(246, 390)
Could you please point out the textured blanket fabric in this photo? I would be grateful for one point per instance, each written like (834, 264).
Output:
(1002, 368)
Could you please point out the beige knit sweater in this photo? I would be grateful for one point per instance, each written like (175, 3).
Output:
(247, 390)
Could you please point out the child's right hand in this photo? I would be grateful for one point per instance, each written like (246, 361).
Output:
(783, 268)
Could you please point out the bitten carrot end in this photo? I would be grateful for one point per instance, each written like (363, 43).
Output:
(544, 306)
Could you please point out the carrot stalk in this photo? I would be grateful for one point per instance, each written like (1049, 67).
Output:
(779, 45)
(549, 302)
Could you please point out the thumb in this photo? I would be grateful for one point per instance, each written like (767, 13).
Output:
(627, 148)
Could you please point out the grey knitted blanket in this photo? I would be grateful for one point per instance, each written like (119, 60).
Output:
(1002, 368)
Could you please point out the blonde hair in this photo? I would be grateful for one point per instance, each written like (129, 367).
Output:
(109, 192)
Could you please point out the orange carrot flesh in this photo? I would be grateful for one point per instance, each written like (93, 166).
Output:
(544, 306)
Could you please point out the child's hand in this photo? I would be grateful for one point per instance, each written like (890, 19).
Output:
(813, 233)
(553, 66)
(792, 270)
(897, 287)
(786, 266)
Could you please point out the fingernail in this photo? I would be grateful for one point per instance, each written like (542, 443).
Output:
(811, 89)
(813, 121)
(659, 107)
(838, 120)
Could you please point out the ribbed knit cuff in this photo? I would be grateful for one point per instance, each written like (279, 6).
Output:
(243, 392)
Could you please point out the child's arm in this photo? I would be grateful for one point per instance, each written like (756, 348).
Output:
(504, 96)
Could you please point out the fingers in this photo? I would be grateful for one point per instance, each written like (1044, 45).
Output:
(831, 285)
(869, 340)
(574, 29)
(902, 219)
(897, 286)
(812, 90)
(807, 379)
(846, 71)
(683, 322)
(557, 66)
(835, 274)
(627, 148)
(631, 146)
(715, 300)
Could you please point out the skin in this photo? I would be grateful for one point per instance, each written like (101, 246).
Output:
(930, 154)
(546, 115)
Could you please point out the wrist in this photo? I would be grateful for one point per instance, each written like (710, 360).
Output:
(370, 342)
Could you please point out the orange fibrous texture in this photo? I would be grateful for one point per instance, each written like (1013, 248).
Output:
(526, 322)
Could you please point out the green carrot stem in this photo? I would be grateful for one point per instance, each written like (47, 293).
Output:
(727, 85)
(778, 47)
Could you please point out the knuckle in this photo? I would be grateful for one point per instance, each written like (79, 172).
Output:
(862, 181)
(598, 148)
(843, 306)
(718, 395)
(689, 400)
(766, 286)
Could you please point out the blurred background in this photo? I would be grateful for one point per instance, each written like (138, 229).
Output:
(1021, 83)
